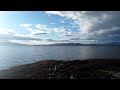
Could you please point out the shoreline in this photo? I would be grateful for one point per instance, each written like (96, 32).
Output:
(70, 69)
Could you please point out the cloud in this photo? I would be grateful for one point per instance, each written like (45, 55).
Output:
(8, 34)
(12, 37)
(39, 33)
(54, 12)
(59, 30)
(25, 25)
(41, 27)
(62, 21)
(108, 31)
(50, 40)
(74, 25)
(43, 30)
(71, 34)
(33, 42)
(37, 30)
(94, 25)
(74, 38)
(84, 27)
(29, 29)
(7, 31)
(40, 41)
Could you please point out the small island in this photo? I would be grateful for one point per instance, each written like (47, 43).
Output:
(59, 69)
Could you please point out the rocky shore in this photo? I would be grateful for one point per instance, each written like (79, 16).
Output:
(58, 69)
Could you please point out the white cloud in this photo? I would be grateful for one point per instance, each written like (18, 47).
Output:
(85, 22)
(43, 30)
(14, 37)
(7, 31)
(69, 14)
(62, 21)
(32, 42)
(30, 29)
(59, 30)
(71, 34)
(25, 25)
(54, 12)
(8, 34)
(38, 32)
(41, 27)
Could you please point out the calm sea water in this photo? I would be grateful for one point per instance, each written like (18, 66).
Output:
(17, 55)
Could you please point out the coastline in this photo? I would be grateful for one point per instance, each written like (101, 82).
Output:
(60, 69)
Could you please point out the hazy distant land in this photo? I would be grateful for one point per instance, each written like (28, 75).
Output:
(61, 44)
(76, 69)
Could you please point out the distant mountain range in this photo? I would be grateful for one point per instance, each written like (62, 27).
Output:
(62, 44)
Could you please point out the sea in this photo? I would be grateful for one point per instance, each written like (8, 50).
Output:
(18, 55)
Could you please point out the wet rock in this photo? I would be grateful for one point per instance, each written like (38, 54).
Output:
(92, 69)
(116, 75)
(71, 77)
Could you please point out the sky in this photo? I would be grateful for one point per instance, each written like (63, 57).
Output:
(49, 27)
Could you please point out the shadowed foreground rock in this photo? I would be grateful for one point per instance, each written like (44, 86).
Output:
(52, 69)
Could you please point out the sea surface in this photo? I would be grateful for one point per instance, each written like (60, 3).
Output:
(17, 55)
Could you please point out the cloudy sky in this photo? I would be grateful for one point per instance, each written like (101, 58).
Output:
(48, 27)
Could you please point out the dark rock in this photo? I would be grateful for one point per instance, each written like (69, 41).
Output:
(52, 69)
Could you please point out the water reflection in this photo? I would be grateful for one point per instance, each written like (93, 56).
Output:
(100, 52)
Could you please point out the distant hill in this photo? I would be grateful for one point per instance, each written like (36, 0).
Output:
(61, 44)
(80, 44)
(114, 43)
(67, 44)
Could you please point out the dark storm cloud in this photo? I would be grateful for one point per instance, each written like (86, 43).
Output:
(108, 30)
